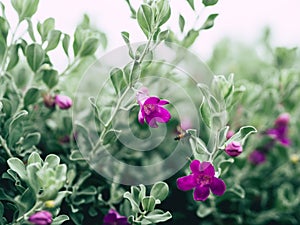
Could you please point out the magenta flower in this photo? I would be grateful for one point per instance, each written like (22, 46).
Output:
(280, 130)
(63, 101)
(41, 218)
(151, 109)
(257, 157)
(202, 180)
(114, 218)
(49, 101)
(234, 149)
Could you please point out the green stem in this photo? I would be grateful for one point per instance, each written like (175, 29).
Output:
(37, 205)
(215, 213)
(4, 145)
(118, 105)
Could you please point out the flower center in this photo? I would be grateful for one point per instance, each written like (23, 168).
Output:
(149, 108)
(203, 179)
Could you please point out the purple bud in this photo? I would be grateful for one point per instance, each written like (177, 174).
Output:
(41, 218)
(282, 120)
(63, 101)
(234, 149)
(229, 134)
(257, 157)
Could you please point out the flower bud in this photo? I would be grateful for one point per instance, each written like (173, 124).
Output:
(234, 149)
(63, 101)
(229, 134)
(282, 120)
(41, 218)
(295, 158)
(50, 204)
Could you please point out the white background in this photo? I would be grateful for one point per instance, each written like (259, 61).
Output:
(242, 20)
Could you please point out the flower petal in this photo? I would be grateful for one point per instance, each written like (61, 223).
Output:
(217, 186)
(163, 102)
(141, 117)
(122, 221)
(207, 168)
(186, 183)
(151, 121)
(110, 218)
(152, 100)
(195, 166)
(201, 193)
(163, 115)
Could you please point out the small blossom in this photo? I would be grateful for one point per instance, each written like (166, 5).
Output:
(114, 218)
(257, 157)
(229, 134)
(50, 204)
(295, 158)
(234, 149)
(63, 101)
(280, 130)
(151, 109)
(202, 180)
(41, 218)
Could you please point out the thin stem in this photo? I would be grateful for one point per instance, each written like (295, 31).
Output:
(37, 205)
(4, 145)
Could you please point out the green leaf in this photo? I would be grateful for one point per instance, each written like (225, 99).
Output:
(134, 205)
(13, 56)
(25, 8)
(52, 160)
(31, 140)
(18, 166)
(210, 21)
(18, 118)
(209, 2)
(89, 47)
(191, 3)
(30, 30)
(145, 19)
(45, 28)
(157, 216)
(163, 12)
(125, 36)
(31, 96)
(66, 43)
(204, 210)
(34, 158)
(242, 134)
(118, 80)
(35, 56)
(205, 113)
(50, 77)
(190, 38)
(160, 190)
(163, 35)
(32, 170)
(110, 136)
(181, 23)
(59, 219)
(148, 203)
(4, 28)
(53, 39)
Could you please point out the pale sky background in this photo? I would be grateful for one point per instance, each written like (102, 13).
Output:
(238, 19)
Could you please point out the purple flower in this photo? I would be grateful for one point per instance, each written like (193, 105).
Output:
(63, 101)
(114, 218)
(41, 218)
(234, 149)
(257, 157)
(280, 130)
(202, 180)
(151, 109)
(186, 124)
